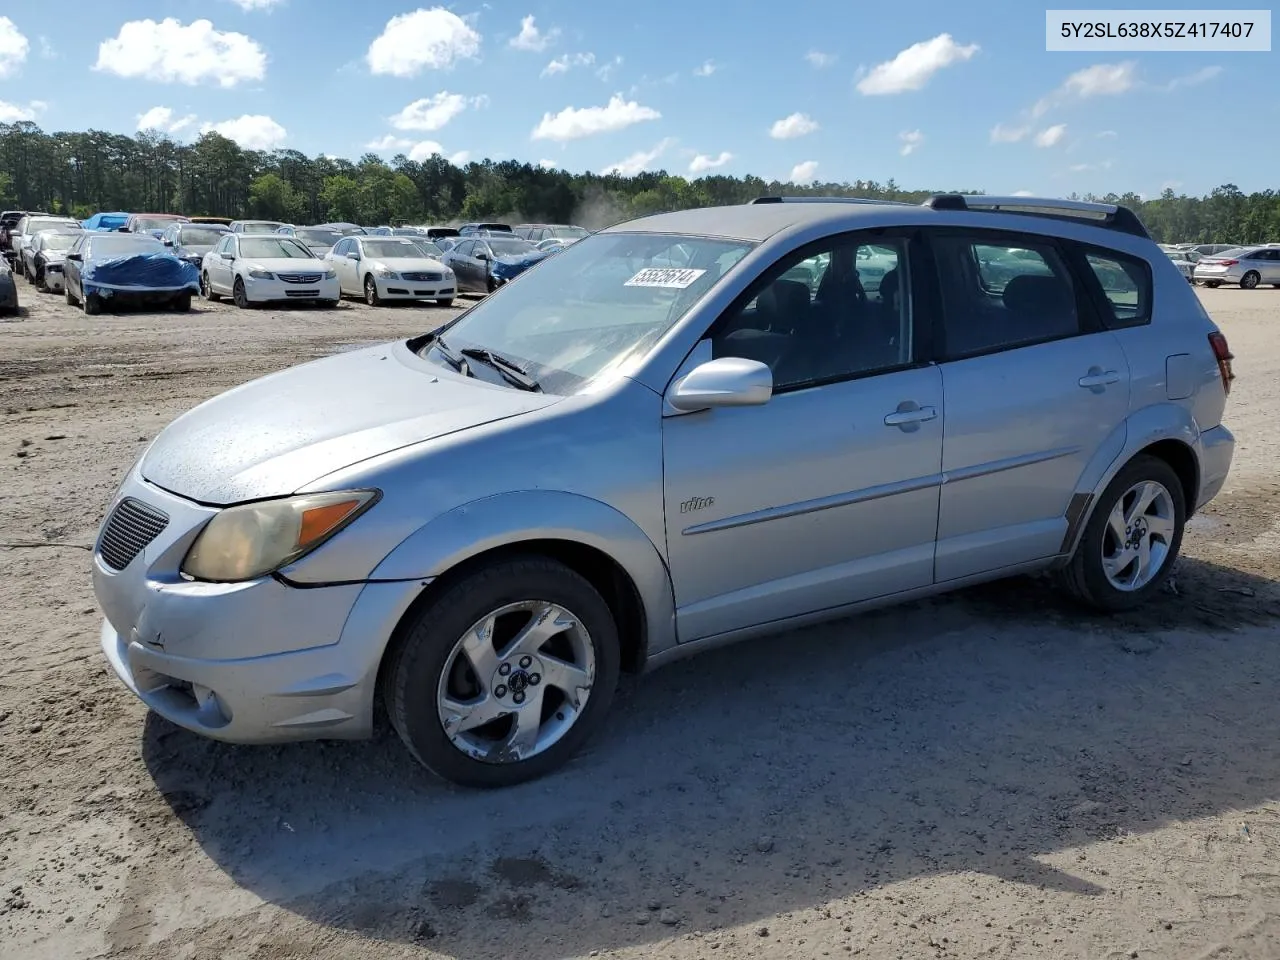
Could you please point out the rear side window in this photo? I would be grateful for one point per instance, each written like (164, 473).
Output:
(999, 294)
(1126, 287)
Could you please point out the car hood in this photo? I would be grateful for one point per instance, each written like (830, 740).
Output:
(272, 436)
(285, 265)
(54, 256)
(411, 264)
(195, 249)
(525, 260)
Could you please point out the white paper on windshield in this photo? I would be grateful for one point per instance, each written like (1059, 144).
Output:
(670, 278)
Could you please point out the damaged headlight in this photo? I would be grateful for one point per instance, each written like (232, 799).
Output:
(253, 539)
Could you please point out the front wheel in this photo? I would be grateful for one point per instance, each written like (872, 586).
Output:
(206, 289)
(445, 302)
(503, 676)
(1249, 280)
(1132, 539)
(371, 292)
(41, 285)
(66, 292)
(92, 304)
(182, 304)
(239, 296)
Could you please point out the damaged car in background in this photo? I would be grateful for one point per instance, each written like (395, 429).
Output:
(48, 257)
(484, 263)
(112, 270)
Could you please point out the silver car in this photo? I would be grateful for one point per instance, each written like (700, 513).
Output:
(1186, 266)
(1247, 266)
(609, 465)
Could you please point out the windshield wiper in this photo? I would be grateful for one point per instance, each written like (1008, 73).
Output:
(454, 360)
(511, 371)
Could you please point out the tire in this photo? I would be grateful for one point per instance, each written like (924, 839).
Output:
(66, 292)
(182, 304)
(445, 302)
(414, 680)
(239, 295)
(92, 305)
(489, 284)
(1213, 284)
(329, 304)
(1086, 579)
(206, 289)
(39, 281)
(1249, 280)
(371, 292)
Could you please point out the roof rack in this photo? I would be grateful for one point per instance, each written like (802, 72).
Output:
(1109, 215)
(822, 200)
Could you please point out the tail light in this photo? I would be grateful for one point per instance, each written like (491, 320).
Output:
(1222, 353)
(1226, 263)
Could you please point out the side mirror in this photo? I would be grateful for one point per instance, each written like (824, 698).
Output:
(482, 256)
(75, 257)
(727, 382)
(227, 255)
(168, 243)
(124, 229)
(353, 254)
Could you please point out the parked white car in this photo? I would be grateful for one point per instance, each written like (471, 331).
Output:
(25, 232)
(390, 268)
(252, 268)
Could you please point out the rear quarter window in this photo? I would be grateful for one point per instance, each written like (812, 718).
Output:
(1124, 287)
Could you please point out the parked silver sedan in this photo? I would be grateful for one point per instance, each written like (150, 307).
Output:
(1248, 266)
(611, 464)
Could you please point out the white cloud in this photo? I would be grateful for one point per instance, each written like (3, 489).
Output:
(46, 49)
(1023, 193)
(13, 113)
(460, 158)
(1103, 79)
(531, 38)
(1106, 134)
(250, 5)
(1051, 136)
(389, 142)
(1083, 167)
(707, 69)
(606, 71)
(796, 125)
(1203, 75)
(162, 119)
(703, 162)
(251, 131)
(566, 62)
(819, 59)
(804, 172)
(433, 39)
(912, 68)
(638, 162)
(432, 113)
(548, 164)
(1001, 133)
(13, 48)
(911, 141)
(173, 52)
(424, 150)
(574, 123)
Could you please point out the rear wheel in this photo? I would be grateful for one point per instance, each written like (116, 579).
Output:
(206, 289)
(371, 292)
(1213, 284)
(1249, 280)
(505, 674)
(1132, 539)
(239, 295)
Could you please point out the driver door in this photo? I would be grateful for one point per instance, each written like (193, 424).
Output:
(827, 494)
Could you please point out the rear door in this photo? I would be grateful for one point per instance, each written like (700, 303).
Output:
(1033, 386)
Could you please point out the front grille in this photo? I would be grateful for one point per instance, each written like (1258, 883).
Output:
(299, 277)
(131, 526)
(302, 293)
(423, 277)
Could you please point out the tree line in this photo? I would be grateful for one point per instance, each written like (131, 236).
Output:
(82, 173)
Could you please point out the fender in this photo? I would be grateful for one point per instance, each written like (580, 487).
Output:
(510, 518)
(1151, 424)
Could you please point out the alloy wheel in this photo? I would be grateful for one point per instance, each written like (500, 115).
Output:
(1138, 537)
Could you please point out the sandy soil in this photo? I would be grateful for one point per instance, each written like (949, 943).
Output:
(986, 775)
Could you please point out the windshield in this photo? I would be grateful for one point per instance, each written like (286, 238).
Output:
(260, 226)
(389, 248)
(59, 241)
(48, 223)
(510, 247)
(154, 223)
(600, 304)
(319, 238)
(279, 247)
(573, 233)
(121, 246)
(429, 249)
(200, 236)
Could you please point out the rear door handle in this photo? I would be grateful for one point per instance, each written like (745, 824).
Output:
(1098, 377)
(905, 418)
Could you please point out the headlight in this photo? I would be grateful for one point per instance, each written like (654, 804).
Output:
(386, 274)
(248, 541)
(261, 275)
(331, 274)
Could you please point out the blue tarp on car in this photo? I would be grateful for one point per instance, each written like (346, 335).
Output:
(140, 273)
(105, 221)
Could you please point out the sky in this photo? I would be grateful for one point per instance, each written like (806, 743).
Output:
(949, 95)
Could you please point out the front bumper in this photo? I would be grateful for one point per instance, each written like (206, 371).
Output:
(54, 278)
(401, 289)
(255, 662)
(264, 291)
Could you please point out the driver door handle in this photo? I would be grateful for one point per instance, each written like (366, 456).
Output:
(1099, 378)
(900, 418)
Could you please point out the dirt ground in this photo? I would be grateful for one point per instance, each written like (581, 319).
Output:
(990, 774)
